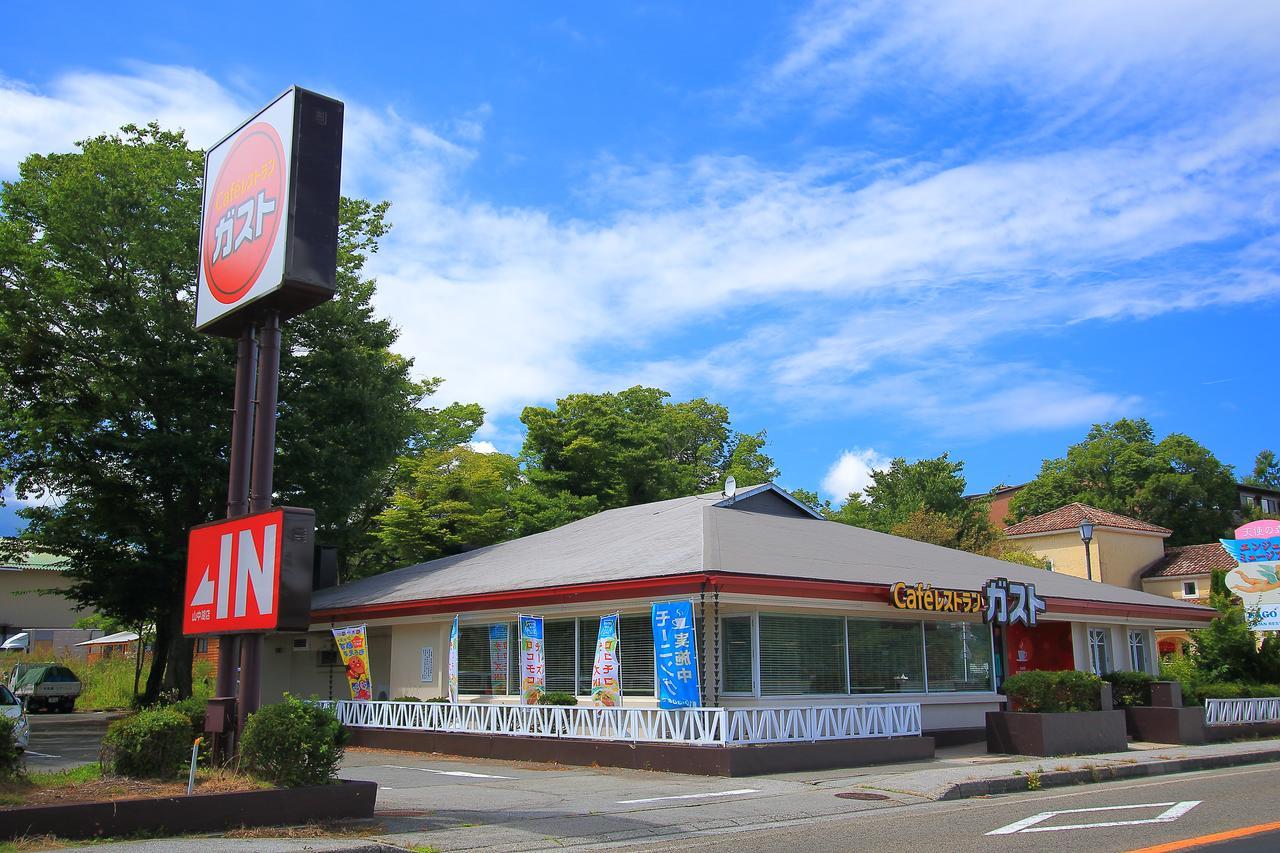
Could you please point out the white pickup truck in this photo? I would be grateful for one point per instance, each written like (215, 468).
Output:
(45, 685)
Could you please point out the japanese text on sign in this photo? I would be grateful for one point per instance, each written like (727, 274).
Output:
(676, 655)
(922, 596)
(1010, 602)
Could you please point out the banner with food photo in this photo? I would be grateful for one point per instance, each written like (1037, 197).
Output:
(606, 672)
(353, 646)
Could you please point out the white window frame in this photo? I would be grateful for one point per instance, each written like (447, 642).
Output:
(1143, 639)
(1195, 589)
(1094, 635)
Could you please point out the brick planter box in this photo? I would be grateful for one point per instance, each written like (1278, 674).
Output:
(1166, 725)
(197, 813)
(1084, 732)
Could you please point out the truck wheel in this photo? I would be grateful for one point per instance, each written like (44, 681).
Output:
(67, 707)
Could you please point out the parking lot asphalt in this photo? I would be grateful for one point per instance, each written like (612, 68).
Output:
(59, 741)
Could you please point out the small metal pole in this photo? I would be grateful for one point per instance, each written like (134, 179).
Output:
(191, 777)
(242, 425)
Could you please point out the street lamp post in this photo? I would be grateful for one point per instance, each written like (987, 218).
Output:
(1086, 535)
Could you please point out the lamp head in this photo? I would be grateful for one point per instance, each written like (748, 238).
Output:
(1086, 531)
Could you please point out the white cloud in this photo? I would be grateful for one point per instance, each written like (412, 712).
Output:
(840, 285)
(482, 446)
(852, 472)
(1085, 56)
(82, 104)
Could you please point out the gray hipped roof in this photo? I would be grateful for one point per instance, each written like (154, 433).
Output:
(763, 531)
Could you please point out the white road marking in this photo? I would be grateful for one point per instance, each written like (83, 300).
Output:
(1171, 813)
(690, 796)
(464, 774)
(41, 754)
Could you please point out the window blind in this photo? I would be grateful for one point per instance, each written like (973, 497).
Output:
(559, 642)
(885, 656)
(736, 649)
(802, 655)
(958, 656)
(636, 634)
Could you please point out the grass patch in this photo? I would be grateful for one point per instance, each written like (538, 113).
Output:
(107, 685)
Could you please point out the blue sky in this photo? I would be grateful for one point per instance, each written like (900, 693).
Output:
(875, 229)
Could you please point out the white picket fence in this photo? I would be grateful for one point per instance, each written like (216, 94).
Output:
(703, 726)
(1225, 712)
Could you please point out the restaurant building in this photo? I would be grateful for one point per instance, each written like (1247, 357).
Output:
(792, 612)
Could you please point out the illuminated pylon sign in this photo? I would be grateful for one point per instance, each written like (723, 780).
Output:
(1011, 601)
(251, 573)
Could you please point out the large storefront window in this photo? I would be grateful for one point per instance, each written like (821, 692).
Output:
(958, 656)
(736, 642)
(481, 668)
(636, 638)
(885, 657)
(802, 655)
(1138, 651)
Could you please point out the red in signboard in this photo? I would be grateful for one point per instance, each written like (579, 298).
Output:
(235, 570)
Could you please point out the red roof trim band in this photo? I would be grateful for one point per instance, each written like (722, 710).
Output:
(697, 582)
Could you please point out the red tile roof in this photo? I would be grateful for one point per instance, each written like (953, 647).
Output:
(1191, 560)
(1069, 517)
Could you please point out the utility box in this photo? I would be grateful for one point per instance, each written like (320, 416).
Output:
(220, 715)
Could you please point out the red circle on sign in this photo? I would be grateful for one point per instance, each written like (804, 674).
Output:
(243, 213)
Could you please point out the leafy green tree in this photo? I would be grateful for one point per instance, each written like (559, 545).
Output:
(1175, 483)
(1266, 471)
(1228, 650)
(110, 401)
(813, 500)
(900, 493)
(634, 447)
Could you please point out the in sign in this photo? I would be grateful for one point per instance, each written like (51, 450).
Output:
(251, 573)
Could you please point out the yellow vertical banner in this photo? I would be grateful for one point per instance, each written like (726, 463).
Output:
(353, 645)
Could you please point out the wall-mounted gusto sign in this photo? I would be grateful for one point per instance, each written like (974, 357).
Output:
(923, 596)
(269, 224)
(1010, 602)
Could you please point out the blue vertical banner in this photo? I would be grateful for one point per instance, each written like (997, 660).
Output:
(606, 670)
(499, 653)
(453, 661)
(675, 653)
(533, 667)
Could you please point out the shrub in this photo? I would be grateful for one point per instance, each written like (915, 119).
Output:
(10, 758)
(439, 700)
(1040, 691)
(150, 744)
(292, 744)
(406, 699)
(1130, 689)
(557, 699)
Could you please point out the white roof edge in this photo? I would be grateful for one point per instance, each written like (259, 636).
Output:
(770, 487)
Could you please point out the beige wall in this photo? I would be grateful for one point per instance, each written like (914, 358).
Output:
(1172, 587)
(1124, 555)
(407, 643)
(22, 607)
(1118, 557)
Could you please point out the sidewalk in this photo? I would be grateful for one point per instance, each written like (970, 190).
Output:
(542, 807)
(968, 771)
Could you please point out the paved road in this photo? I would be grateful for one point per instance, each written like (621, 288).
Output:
(65, 740)
(474, 805)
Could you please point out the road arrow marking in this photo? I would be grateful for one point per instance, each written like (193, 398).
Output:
(1172, 811)
(464, 774)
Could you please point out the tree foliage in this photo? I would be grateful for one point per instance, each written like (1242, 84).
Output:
(634, 447)
(924, 500)
(1228, 650)
(1175, 482)
(112, 403)
(1266, 471)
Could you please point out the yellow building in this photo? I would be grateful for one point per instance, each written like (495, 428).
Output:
(1185, 574)
(1119, 551)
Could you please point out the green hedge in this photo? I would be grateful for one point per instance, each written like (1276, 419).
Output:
(151, 744)
(1233, 690)
(1053, 692)
(555, 698)
(293, 743)
(11, 766)
(1130, 689)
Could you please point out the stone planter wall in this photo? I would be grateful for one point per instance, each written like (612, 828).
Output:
(196, 813)
(1166, 725)
(1085, 732)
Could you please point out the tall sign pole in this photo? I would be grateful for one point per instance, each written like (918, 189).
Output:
(268, 252)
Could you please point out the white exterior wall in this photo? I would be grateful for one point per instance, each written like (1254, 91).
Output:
(396, 653)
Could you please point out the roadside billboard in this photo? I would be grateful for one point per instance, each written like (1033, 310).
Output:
(269, 224)
(1256, 577)
(251, 573)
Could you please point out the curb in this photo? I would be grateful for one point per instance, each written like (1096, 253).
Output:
(1106, 773)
